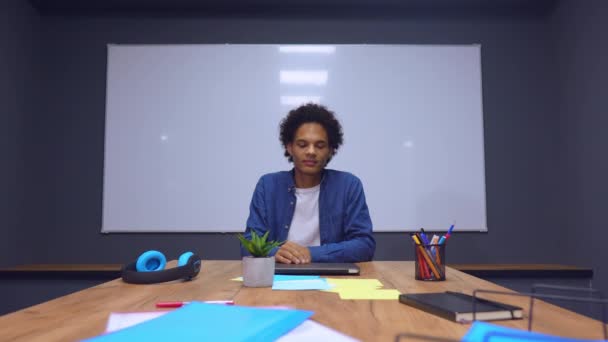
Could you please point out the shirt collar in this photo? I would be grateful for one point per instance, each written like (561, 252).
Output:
(291, 183)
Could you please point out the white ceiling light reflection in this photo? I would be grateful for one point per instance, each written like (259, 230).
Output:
(321, 49)
(408, 144)
(299, 100)
(164, 137)
(315, 77)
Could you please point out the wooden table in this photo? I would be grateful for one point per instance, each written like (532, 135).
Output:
(85, 313)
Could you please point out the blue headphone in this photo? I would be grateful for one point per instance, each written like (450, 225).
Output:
(150, 268)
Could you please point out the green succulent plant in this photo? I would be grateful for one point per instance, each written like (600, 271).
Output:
(258, 246)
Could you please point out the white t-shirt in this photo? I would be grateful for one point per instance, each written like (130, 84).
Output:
(304, 229)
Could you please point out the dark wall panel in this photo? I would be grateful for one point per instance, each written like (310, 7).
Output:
(521, 130)
(18, 22)
(581, 28)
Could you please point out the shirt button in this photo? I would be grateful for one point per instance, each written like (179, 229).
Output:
(286, 227)
(291, 203)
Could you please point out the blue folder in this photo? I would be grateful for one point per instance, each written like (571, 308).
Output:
(486, 332)
(211, 322)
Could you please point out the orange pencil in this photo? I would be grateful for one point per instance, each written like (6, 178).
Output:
(426, 273)
(420, 266)
(438, 256)
(429, 262)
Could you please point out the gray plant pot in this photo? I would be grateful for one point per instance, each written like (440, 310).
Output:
(258, 272)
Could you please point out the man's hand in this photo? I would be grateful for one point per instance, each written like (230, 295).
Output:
(292, 253)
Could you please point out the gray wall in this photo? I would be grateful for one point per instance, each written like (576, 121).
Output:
(581, 29)
(18, 24)
(542, 103)
(522, 161)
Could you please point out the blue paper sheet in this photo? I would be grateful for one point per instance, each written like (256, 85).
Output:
(211, 322)
(486, 332)
(284, 277)
(307, 284)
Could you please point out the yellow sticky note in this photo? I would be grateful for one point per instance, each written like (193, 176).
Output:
(237, 279)
(369, 294)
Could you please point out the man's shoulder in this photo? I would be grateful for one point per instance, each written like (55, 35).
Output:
(341, 176)
(276, 176)
(280, 178)
(332, 176)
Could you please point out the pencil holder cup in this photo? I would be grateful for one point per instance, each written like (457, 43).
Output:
(430, 262)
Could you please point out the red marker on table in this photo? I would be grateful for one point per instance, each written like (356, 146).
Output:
(180, 304)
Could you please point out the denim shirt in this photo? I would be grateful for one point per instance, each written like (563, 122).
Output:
(345, 226)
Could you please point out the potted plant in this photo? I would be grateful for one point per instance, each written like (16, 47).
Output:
(258, 269)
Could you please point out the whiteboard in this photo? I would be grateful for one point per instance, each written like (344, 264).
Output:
(191, 128)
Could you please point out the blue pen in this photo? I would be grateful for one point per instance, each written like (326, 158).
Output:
(423, 236)
(426, 242)
(447, 235)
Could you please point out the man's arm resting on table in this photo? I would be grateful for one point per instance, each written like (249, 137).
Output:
(359, 244)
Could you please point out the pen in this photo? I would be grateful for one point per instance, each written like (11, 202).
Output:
(430, 263)
(434, 241)
(431, 266)
(180, 304)
(423, 236)
(446, 236)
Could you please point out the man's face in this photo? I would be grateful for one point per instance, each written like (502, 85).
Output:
(309, 149)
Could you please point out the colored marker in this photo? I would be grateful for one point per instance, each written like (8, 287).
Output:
(446, 236)
(434, 241)
(180, 304)
(423, 236)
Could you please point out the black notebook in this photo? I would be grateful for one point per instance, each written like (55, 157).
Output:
(458, 307)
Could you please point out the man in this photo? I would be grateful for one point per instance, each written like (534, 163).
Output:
(321, 214)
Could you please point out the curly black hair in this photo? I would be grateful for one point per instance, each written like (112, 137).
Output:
(307, 113)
